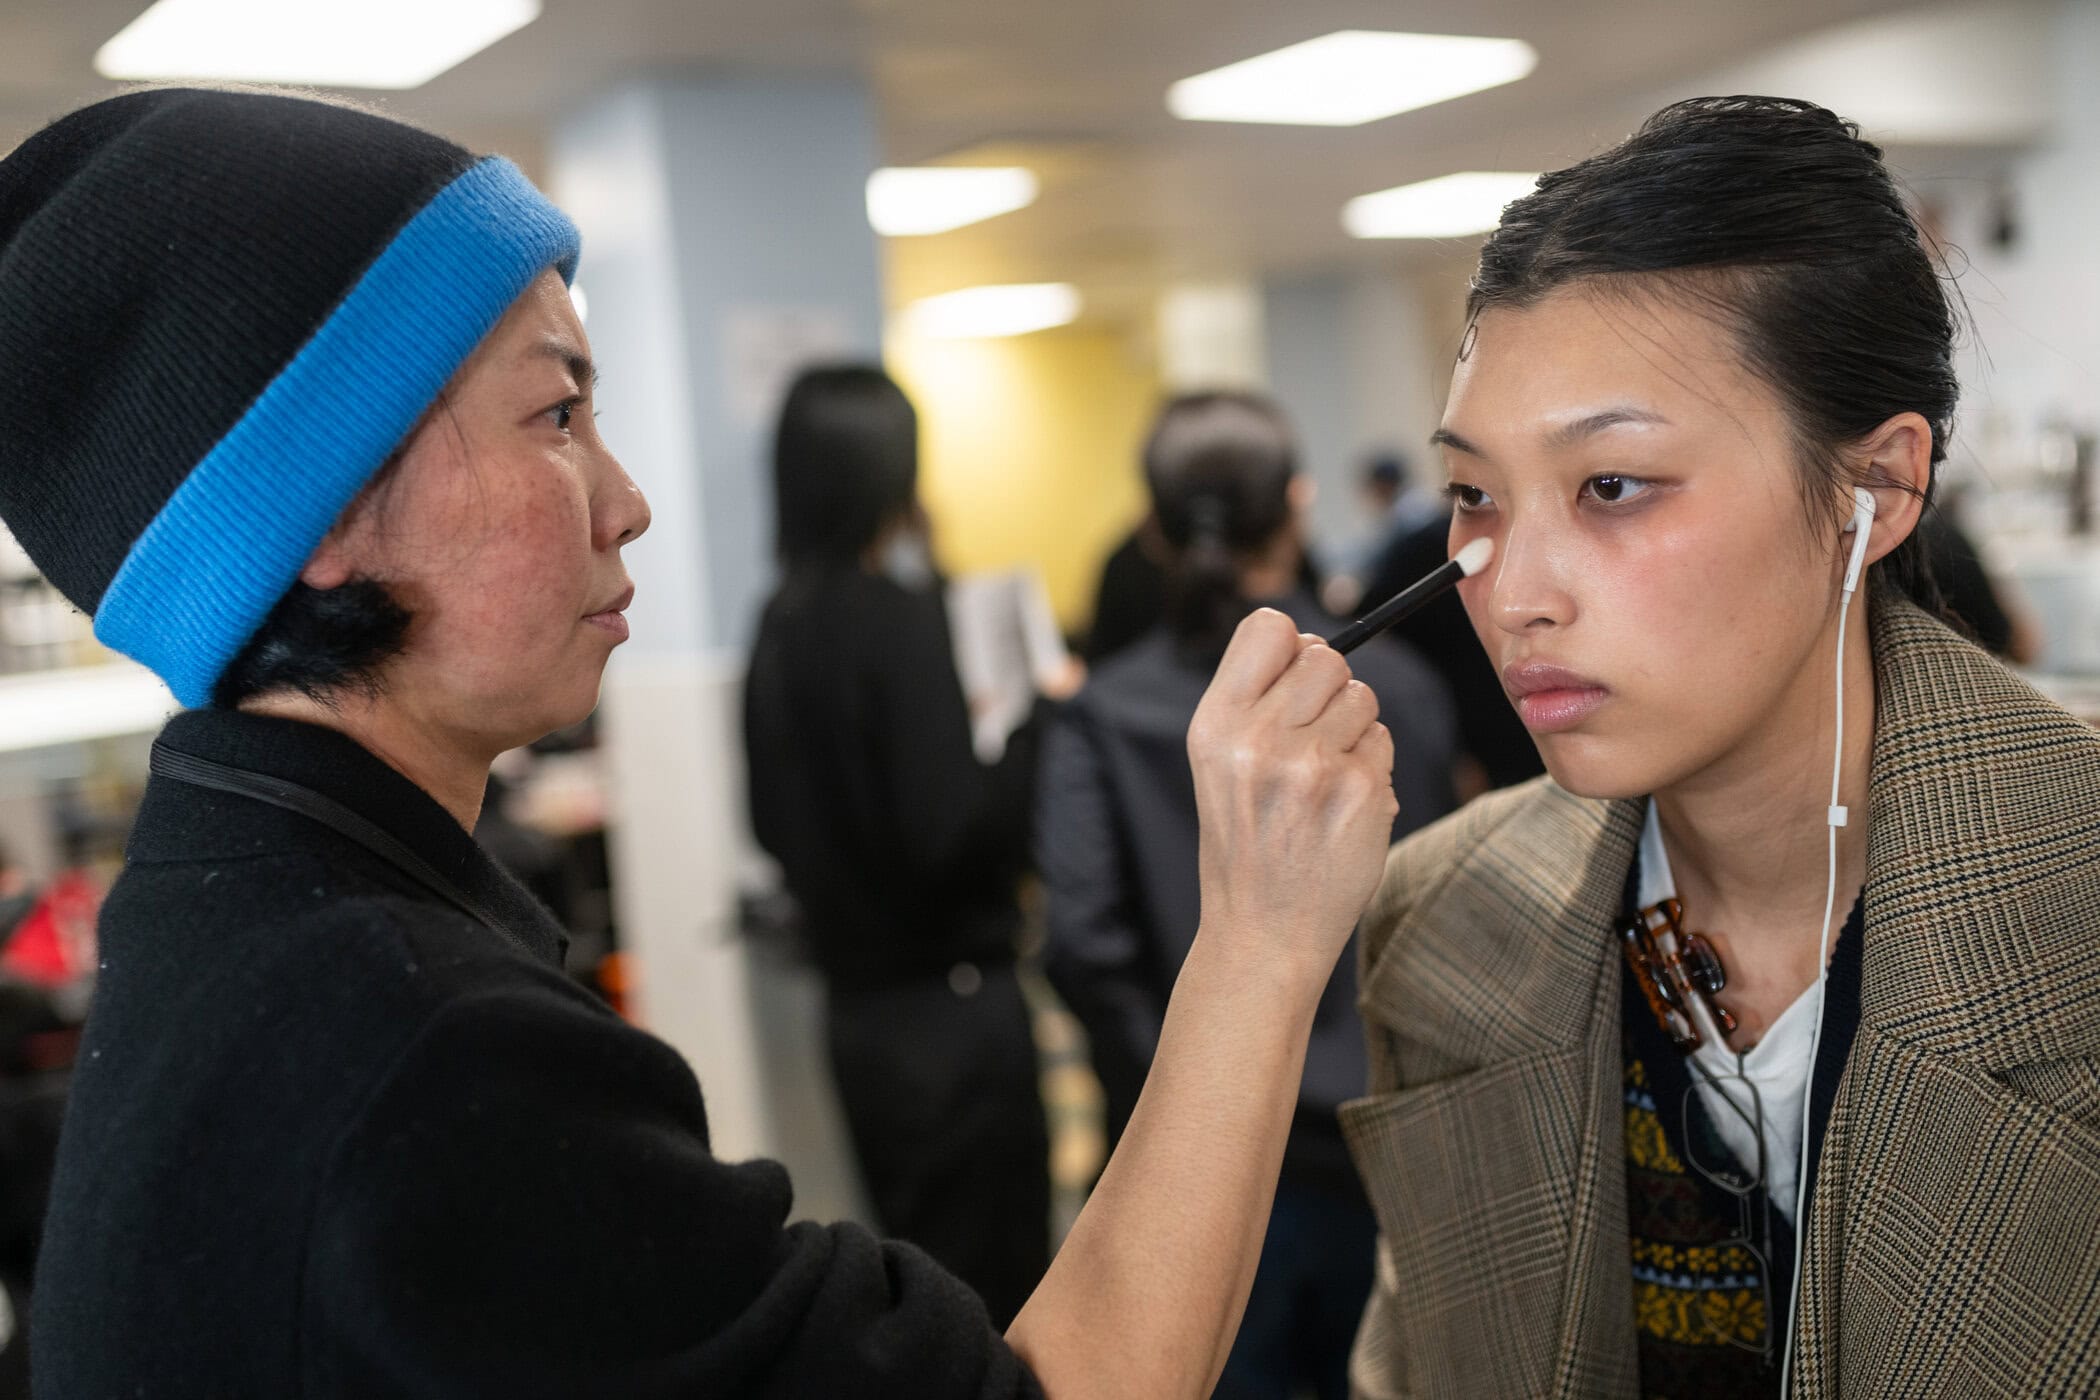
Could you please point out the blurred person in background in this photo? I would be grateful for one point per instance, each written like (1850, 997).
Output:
(1118, 848)
(1395, 503)
(1987, 607)
(1494, 749)
(903, 851)
(1132, 594)
(39, 1032)
(340, 1126)
(1131, 599)
(1753, 1052)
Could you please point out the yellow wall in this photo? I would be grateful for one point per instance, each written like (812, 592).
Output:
(1029, 452)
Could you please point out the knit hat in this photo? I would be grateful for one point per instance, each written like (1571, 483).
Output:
(220, 313)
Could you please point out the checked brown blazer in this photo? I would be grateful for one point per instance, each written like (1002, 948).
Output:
(1953, 1246)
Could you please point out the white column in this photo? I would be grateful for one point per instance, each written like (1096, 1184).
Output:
(725, 245)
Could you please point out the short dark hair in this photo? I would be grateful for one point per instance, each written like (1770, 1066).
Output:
(1386, 471)
(319, 642)
(845, 462)
(1775, 216)
(1219, 467)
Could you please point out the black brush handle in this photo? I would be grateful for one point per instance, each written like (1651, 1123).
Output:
(1405, 603)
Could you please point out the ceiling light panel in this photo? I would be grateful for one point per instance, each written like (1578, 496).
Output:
(1451, 206)
(905, 201)
(1350, 77)
(984, 312)
(328, 43)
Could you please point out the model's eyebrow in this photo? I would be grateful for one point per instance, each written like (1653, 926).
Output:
(1569, 434)
(575, 361)
(1444, 437)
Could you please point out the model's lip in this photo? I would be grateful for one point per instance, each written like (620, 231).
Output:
(617, 605)
(1551, 698)
(1535, 677)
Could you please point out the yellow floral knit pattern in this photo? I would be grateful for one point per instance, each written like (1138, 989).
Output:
(1698, 1295)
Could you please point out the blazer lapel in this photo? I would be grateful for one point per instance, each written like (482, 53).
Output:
(1497, 1167)
(1952, 1237)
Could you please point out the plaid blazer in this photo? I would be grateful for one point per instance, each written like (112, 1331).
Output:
(1953, 1243)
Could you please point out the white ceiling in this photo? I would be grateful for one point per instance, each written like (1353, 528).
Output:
(1132, 197)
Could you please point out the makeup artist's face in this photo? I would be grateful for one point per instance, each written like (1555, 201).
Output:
(500, 531)
(1659, 606)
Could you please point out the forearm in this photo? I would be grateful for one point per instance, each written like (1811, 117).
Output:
(1146, 1294)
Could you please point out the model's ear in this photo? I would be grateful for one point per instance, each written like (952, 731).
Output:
(1896, 466)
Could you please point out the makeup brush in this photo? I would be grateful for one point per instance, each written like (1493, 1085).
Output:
(1411, 599)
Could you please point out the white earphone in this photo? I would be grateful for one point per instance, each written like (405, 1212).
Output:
(1860, 527)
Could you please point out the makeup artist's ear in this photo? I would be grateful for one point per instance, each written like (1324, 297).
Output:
(1302, 492)
(330, 566)
(344, 552)
(1895, 463)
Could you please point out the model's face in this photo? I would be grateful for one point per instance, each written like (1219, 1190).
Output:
(1657, 594)
(500, 531)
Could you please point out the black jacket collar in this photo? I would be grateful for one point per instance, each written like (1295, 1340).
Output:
(181, 822)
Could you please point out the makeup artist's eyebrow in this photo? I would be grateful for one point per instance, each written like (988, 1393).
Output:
(1568, 434)
(1444, 437)
(578, 364)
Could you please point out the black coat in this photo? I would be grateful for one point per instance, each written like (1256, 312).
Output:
(331, 1137)
(902, 849)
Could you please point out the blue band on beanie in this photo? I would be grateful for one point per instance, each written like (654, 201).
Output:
(230, 542)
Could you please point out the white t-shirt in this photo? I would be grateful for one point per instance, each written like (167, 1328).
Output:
(1778, 1064)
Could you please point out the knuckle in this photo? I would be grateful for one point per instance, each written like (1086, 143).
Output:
(1325, 662)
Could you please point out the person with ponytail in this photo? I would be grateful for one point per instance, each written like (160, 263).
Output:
(1118, 849)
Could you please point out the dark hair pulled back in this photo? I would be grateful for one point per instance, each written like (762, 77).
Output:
(845, 463)
(1776, 217)
(1219, 467)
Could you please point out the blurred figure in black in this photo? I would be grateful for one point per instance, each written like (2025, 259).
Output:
(1495, 750)
(1118, 851)
(1133, 592)
(1394, 505)
(1968, 593)
(901, 848)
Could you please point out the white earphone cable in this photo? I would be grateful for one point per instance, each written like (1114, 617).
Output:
(1838, 816)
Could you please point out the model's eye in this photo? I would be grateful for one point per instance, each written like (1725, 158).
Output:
(564, 413)
(1468, 499)
(1615, 490)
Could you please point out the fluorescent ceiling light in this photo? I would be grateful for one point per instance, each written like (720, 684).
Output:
(982, 312)
(1451, 206)
(1349, 78)
(329, 43)
(908, 200)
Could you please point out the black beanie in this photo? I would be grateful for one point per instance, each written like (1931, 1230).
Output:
(220, 313)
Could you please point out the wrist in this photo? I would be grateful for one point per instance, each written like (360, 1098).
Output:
(1283, 963)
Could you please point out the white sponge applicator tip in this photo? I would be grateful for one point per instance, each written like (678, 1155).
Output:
(1475, 556)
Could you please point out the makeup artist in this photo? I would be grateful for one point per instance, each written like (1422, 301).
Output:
(301, 414)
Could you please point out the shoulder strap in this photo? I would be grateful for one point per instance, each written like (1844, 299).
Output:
(224, 777)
